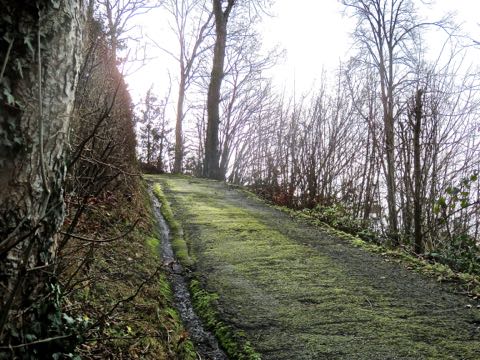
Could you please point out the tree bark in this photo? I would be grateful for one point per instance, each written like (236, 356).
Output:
(178, 163)
(417, 172)
(390, 147)
(34, 122)
(211, 166)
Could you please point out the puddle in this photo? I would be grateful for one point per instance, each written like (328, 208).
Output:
(206, 343)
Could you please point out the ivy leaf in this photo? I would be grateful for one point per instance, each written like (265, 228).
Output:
(10, 98)
(30, 337)
(7, 18)
(28, 41)
(19, 67)
(7, 37)
(68, 319)
(464, 203)
(442, 201)
(55, 3)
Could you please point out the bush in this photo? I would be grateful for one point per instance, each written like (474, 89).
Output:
(461, 254)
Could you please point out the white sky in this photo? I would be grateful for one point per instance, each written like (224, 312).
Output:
(314, 33)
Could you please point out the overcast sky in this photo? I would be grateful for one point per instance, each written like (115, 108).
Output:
(317, 34)
(314, 33)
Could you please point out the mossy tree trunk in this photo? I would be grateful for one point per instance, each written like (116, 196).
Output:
(40, 55)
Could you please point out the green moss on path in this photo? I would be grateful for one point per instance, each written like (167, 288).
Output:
(300, 293)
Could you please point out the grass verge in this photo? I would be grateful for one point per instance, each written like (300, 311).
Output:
(234, 342)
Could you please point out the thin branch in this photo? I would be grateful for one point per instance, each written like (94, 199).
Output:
(5, 61)
(104, 240)
(129, 298)
(36, 342)
(40, 113)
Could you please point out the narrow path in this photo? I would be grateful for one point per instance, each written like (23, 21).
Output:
(299, 293)
(205, 342)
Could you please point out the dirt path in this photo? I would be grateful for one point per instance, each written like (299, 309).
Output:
(299, 293)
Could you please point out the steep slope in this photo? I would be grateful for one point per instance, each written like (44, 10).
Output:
(299, 293)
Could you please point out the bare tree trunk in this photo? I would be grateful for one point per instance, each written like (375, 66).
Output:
(190, 37)
(211, 166)
(386, 86)
(34, 120)
(177, 166)
(406, 188)
(417, 171)
(385, 29)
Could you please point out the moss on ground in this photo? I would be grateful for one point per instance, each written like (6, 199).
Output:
(470, 283)
(153, 244)
(233, 342)
(300, 293)
(179, 244)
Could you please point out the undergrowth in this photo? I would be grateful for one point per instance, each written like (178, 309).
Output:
(120, 288)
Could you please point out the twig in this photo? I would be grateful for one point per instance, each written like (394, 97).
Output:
(41, 341)
(92, 160)
(40, 112)
(129, 298)
(105, 240)
(369, 303)
(5, 62)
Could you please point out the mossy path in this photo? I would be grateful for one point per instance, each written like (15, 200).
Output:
(299, 293)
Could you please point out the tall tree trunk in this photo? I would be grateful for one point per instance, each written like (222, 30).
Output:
(417, 172)
(178, 163)
(407, 194)
(389, 128)
(34, 121)
(391, 185)
(149, 144)
(211, 166)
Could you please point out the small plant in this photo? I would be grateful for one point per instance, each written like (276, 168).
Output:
(461, 254)
(53, 332)
(338, 217)
(461, 251)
